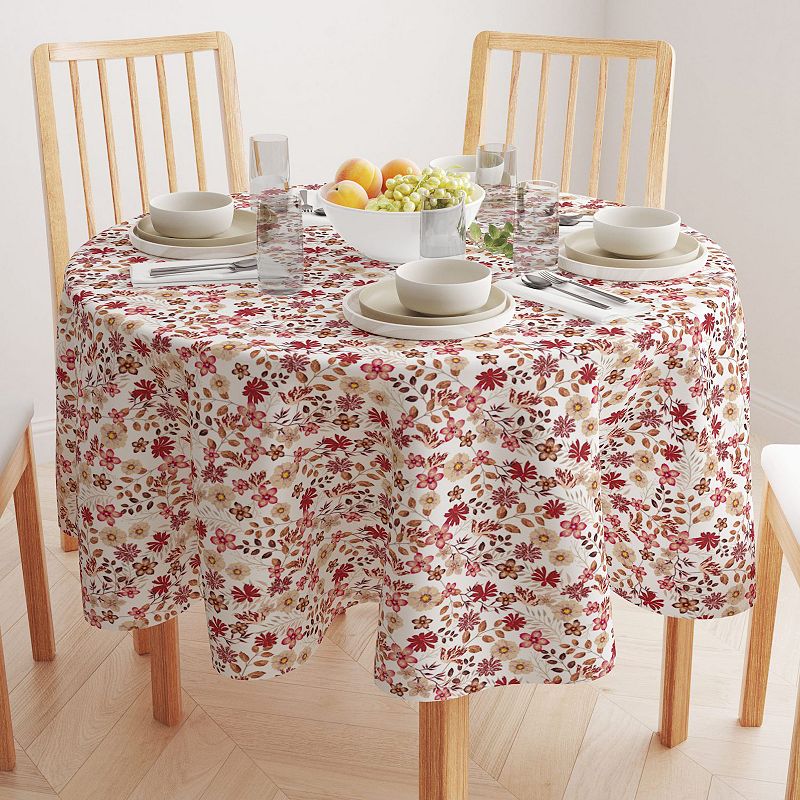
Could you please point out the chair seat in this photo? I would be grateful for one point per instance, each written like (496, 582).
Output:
(781, 464)
(15, 416)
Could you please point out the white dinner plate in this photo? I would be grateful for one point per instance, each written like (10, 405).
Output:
(581, 246)
(243, 229)
(380, 301)
(641, 274)
(184, 252)
(423, 332)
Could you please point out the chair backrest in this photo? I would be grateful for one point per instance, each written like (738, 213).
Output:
(129, 50)
(576, 49)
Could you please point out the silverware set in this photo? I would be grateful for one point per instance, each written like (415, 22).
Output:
(551, 280)
(242, 265)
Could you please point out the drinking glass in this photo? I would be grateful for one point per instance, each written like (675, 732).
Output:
(269, 163)
(496, 173)
(496, 164)
(279, 242)
(442, 232)
(536, 226)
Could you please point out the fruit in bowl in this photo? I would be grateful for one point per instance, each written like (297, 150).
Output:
(362, 172)
(386, 227)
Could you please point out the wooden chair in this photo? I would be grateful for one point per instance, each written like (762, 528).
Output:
(779, 535)
(443, 726)
(162, 639)
(577, 49)
(18, 477)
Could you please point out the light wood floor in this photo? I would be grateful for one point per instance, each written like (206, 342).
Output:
(324, 732)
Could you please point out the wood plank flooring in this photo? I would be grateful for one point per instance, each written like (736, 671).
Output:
(324, 732)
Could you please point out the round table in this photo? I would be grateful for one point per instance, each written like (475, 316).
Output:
(490, 494)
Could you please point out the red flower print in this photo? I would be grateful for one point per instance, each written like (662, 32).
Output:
(162, 447)
(223, 541)
(573, 527)
(469, 399)
(456, 514)
(255, 390)
(246, 594)
(377, 368)
(422, 641)
(534, 639)
(666, 475)
(491, 378)
(265, 495)
(544, 578)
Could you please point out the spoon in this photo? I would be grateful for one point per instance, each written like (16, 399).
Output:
(242, 265)
(566, 220)
(538, 282)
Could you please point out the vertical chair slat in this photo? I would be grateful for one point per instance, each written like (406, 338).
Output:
(512, 97)
(197, 132)
(476, 98)
(111, 151)
(627, 124)
(80, 132)
(599, 119)
(133, 91)
(569, 128)
(541, 114)
(166, 123)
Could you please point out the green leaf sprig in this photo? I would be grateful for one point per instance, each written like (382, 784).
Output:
(494, 240)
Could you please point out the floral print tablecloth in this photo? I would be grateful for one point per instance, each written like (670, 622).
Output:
(489, 494)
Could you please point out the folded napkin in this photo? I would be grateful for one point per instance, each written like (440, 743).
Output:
(140, 273)
(556, 299)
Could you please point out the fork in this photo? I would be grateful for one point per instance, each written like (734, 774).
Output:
(555, 278)
(305, 206)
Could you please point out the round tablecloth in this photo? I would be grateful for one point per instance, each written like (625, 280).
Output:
(489, 494)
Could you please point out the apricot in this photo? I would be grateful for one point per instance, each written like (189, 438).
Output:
(347, 193)
(398, 166)
(363, 172)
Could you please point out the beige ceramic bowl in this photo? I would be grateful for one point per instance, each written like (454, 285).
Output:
(636, 231)
(191, 215)
(443, 286)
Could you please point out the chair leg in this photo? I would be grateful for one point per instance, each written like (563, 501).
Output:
(141, 641)
(8, 755)
(69, 544)
(165, 672)
(444, 749)
(762, 624)
(793, 776)
(676, 680)
(34, 566)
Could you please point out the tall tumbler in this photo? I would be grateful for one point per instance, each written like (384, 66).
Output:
(442, 232)
(269, 163)
(279, 240)
(536, 226)
(496, 173)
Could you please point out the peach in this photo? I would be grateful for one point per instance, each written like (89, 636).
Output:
(398, 166)
(363, 172)
(346, 193)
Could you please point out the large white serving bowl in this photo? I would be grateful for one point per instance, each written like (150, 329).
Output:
(636, 231)
(191, 215)
(391, 236)
(443, 286)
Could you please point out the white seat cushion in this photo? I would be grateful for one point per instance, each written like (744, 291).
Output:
(15, 416)
(781, 463)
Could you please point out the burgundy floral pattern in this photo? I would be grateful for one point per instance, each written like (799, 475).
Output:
(490, 493)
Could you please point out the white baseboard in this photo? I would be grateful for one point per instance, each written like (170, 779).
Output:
(44, 440)
(774, 420)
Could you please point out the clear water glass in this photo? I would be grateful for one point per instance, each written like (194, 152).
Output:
(279, 242)
(496, 173)
(269, 163)
(496, 165)
(442, 232)
(536, 226)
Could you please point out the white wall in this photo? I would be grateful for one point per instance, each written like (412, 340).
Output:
(341, 78)
(735, 165)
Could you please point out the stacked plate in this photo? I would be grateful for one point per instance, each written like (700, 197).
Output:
(377, 308)
(238, 240)
(580, 254)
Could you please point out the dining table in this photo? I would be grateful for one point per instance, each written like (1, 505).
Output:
(259, 453)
